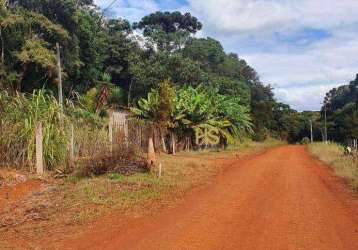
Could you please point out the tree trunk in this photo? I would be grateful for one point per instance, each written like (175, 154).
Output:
(129, 94)
(173, 143)
(163, 143)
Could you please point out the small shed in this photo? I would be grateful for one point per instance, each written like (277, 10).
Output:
(118, 120)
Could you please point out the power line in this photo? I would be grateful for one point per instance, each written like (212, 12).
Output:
(109, 6)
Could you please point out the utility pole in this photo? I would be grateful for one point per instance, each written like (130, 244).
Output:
(60, 96)
(325, 122)
(2, 46)
(311, 131)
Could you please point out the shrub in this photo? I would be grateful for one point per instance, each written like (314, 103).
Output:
(305, 141)
(260, 135)
(123, 160)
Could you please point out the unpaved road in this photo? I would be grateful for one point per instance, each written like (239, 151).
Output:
(282, 199)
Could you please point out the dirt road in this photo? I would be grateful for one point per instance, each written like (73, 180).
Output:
(282, 199)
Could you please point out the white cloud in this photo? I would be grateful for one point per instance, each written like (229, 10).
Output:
(301, 71)
(268, 15)
(303, 98)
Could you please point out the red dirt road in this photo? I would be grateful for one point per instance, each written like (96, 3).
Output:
(282, 199)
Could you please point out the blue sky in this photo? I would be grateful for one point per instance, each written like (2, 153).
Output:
(301, 47)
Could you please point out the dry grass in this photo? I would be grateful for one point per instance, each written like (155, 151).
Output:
(240, 148)
(333, 155)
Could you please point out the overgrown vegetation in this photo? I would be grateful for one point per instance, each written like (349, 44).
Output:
(343, 165)
(190, 108)
(103, 59)
(341, 108)
(19, 115)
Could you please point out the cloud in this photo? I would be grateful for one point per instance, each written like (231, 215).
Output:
(243, 16)
(302, 47)
(303, 98)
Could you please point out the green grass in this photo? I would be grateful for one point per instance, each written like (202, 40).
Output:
(333, 155)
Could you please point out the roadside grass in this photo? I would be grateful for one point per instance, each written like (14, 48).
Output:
(333, 155)
(76, 200)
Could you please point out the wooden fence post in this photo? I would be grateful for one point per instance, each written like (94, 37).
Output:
(126, 132)
(39, 149)
(110, 133)
(160, 170)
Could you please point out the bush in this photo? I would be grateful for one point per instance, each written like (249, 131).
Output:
(305, 141)
(124, 160)
(260, 135)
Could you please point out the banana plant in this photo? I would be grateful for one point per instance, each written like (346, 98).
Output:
(205, 108)
(155, 111)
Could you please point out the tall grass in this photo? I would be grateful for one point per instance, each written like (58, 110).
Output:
(333, 155)
(19, 117)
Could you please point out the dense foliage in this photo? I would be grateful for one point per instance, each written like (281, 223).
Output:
(342, 115)
(106, 65)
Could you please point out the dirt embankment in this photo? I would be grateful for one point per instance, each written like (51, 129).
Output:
(18, 187)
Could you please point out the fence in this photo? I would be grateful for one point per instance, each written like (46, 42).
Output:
(70, 145)
(121, 139)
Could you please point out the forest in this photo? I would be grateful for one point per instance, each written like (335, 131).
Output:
(340, 107)
(156, 67)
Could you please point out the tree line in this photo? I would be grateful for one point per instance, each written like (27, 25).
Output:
(107, 64)
(340, 107)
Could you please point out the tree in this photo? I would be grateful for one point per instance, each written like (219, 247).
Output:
(342, 113)
(169, 30)
(208, 52)
(155, 111)
(30, 36)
